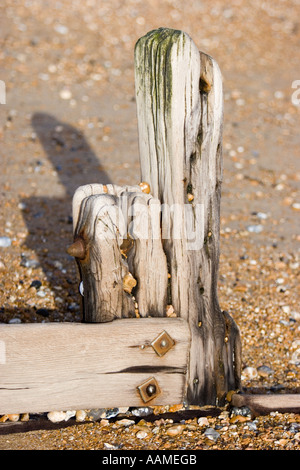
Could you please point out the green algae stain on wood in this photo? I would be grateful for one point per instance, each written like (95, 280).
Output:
(180, 111)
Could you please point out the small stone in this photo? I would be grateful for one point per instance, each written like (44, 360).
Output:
(3, 418)
(140, 412)
(252, 426)
(125, 422)
(295, 316)
(24, 417)
(28, 263)
(69, 414)
(242, 411)
(296, 206)
(5, 242)
(61, 29)
(97, 414)
(13, 417)
(249, 373)
(264, 371)
(81, 415)
(142, 434)
(212, 434)
(36, 283)
(104, 422)
(111, 413)
(56, 416)
(255, 228)
(14, 321)
(175, 430)
(65, 94)
(109, 446)
(123, 409)
(262, 215)
(170, 311)
(203, 421)
(238, 419)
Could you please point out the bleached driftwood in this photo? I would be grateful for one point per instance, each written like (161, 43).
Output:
(180, 111)
(118, 248)
(147, 260)
(72, 366)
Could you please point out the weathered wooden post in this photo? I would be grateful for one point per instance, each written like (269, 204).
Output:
(141, 249)
(180, 110)
(163, 248)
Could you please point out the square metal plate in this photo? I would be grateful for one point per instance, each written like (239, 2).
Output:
(149, 389)
(163, 343)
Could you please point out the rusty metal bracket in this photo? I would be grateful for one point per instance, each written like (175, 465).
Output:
(163, 343)
(149, 389)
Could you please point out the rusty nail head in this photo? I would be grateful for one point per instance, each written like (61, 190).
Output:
(163, 343)
(149, 389)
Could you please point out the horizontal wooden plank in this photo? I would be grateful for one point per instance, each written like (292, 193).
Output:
(61, 366)
(264, 404)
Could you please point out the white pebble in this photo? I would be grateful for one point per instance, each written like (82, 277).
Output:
(69, 414)
(125, 422)
(56, 416)
(249, 373)
(65, 94)
(61, 29)
(255, 228)
(295, 315)
(141, 434)
(81, 415)
(5, 242)
(202, 421)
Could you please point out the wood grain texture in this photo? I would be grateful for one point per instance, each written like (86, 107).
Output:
(264, 404)
(105, 217)
(64, 366)
(180, 114)
(102, 269)
(147, 260)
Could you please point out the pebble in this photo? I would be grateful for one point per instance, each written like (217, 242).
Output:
(238, 419)
(61, 29)
(111, 413)
(14, 321)
(264, 371)
(203, 421)
(212, 434)
(5, 242)
(255, 228)
(58, 416)
(109, 446)
(65, 94)
(97, 414)
(243, 411)
(252, 425)
(249, 373)
(175, 430)
(140, 412)
(13, 417)
(29, 263)
(142, 434)
(36, 283)
(295, 316)
(125, 422)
